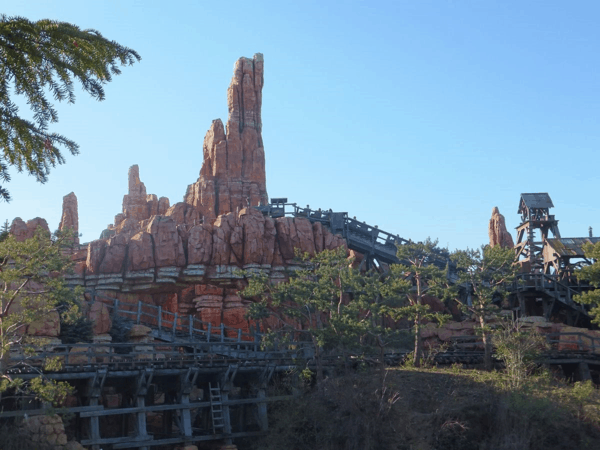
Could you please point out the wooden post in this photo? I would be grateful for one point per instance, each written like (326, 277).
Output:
(222, 332)
(142, 433)
(143, 382)
(174, 324)
(208, 331)
(226, 417)
(191, 325)
(139, 312)
(95, 385)
(94, 424)
(159, 318)
(263, 421)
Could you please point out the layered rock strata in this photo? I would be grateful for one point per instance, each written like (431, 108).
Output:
(497, 231)
(162, 250)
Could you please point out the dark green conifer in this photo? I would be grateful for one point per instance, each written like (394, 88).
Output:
(37, 58)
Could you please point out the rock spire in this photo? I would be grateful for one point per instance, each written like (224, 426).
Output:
(70, 216)
(137, 205)
(233, 170)
(497, 231)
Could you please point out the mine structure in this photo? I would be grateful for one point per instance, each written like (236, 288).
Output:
(547, 282)
(183, 382)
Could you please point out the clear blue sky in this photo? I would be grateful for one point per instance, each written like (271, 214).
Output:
(417, 116)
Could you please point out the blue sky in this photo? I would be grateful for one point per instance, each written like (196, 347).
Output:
(418, 117)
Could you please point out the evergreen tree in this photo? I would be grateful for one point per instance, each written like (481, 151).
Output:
(591, 274)
(312, 304)
(31, 288)
(485, 273)
(4, 230)
(36, 57)
(341, 310)
(412, 280)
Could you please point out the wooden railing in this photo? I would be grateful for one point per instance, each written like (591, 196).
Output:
(132, 356)
(552, 284)
(176, 325)
(559, 342)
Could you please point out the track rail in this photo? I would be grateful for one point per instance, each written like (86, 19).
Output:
(374, 243)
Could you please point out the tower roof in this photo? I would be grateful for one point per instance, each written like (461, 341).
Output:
(537, 200)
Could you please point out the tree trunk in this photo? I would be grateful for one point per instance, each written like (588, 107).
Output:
(487, 345)
(382, 360)
(418, 343)
(320, 376)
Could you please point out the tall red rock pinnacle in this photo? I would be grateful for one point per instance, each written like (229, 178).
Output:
(233, 170)
(70, 216)
(497, 231)
(134, 203)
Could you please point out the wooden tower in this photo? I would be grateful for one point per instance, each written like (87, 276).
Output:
(535, 216)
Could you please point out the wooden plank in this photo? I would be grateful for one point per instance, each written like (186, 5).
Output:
(170, 407)
(44, 411)
(179, 440)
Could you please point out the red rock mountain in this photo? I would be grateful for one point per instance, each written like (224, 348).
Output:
(186, 257)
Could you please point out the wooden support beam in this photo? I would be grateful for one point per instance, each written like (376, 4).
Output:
(226, 417)
(94, 425)
(263, 420)
(583, 370)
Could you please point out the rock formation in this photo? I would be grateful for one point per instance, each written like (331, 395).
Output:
(21, 230)
(233, 172)
(187, 257)
(497, 231)
(137, 205)
(70, 217)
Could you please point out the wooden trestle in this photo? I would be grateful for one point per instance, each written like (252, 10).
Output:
(121, 386)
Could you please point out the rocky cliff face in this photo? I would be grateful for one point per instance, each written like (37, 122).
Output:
(233, 172)
(497, 231)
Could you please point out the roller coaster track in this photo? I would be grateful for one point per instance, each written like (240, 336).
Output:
(376, 245)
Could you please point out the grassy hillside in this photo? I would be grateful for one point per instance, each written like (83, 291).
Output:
(429, 409)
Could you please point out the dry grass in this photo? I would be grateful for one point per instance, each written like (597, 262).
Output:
(438, 410)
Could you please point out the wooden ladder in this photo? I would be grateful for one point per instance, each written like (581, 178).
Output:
(216, 407)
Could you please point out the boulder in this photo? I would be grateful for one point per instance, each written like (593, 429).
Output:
(95, 255)
(18, 229)
(140, 252)
(99, 315)
(114, 254)
(168, 246)
(200, 244)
